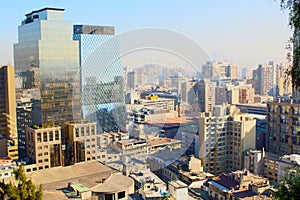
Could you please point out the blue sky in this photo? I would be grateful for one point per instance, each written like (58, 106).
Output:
(247, 32)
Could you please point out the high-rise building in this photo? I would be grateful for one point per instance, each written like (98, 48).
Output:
(219, 69)
(246, 73)
(101, 76)
(231, 71)
(266, 80)
(283, 127)
(224, 134)
(24, 115)
(8, 120)
(205, 90)
(246, 94)
(45, 46)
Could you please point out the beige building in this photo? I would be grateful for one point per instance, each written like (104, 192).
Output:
(239, 185)
(82, 141)
(178, 190)
(287, 162)
(253, 161)
(246, 94)
(43, 146)
(265, 80)
(283, 127)
(8, 119)
(224, 134)
(206, 94)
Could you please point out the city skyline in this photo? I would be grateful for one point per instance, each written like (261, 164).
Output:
(246, 33)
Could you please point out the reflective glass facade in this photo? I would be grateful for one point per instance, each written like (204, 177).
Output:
(45, 43)
(101, 76)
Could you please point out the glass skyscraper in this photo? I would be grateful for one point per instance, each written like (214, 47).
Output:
(45, 45)
(101, 76)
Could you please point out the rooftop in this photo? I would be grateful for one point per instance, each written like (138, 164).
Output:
(172, 122)
(54, 180)
(79, 187)
(44, 126)
(162, 141)
(140, 177)
(5, 160)
(243, 193)
(43, 9)
(178, 184)
(226, 181)
(115, 183)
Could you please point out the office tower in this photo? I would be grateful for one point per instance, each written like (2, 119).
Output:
(46, 47)
(246, 73)
(8, 126)
(283, 127)
(188, 94)
(24, 116)
(265, 80)
(219, 69)
(209, 70)
(43, 146)
(205, 90)
(224, 134)
(131, 80)
(101, 76)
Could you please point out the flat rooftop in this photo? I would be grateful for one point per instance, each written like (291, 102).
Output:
(172, 122)
(54, 180)
(162, 141)
(178, 184)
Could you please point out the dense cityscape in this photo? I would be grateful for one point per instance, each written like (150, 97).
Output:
(85, 126)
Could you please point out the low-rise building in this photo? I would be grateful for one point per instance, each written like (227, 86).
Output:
(238, 185)
(43, 146)
(178, 190)
(149, 185)
(161, 143)
(7, 166)
(287, 162)
(106, 139)
(82, 141)
(117, 187)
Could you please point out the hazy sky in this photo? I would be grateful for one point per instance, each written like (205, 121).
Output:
(247, 32)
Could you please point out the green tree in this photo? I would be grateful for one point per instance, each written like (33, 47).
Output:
(289, 188)
(24, 189)
(293, 6)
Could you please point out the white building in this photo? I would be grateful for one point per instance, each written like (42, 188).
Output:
(178, 190)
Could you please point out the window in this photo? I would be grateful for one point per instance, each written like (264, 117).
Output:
(87, 131)
(121, 195)
(45, 137)
(56, 135)
(77, 132)
(39, 138)
(82, 131)
(93, 130)
(51, 136)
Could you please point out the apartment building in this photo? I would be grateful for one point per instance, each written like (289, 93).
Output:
(224, 134)
(283, 127)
